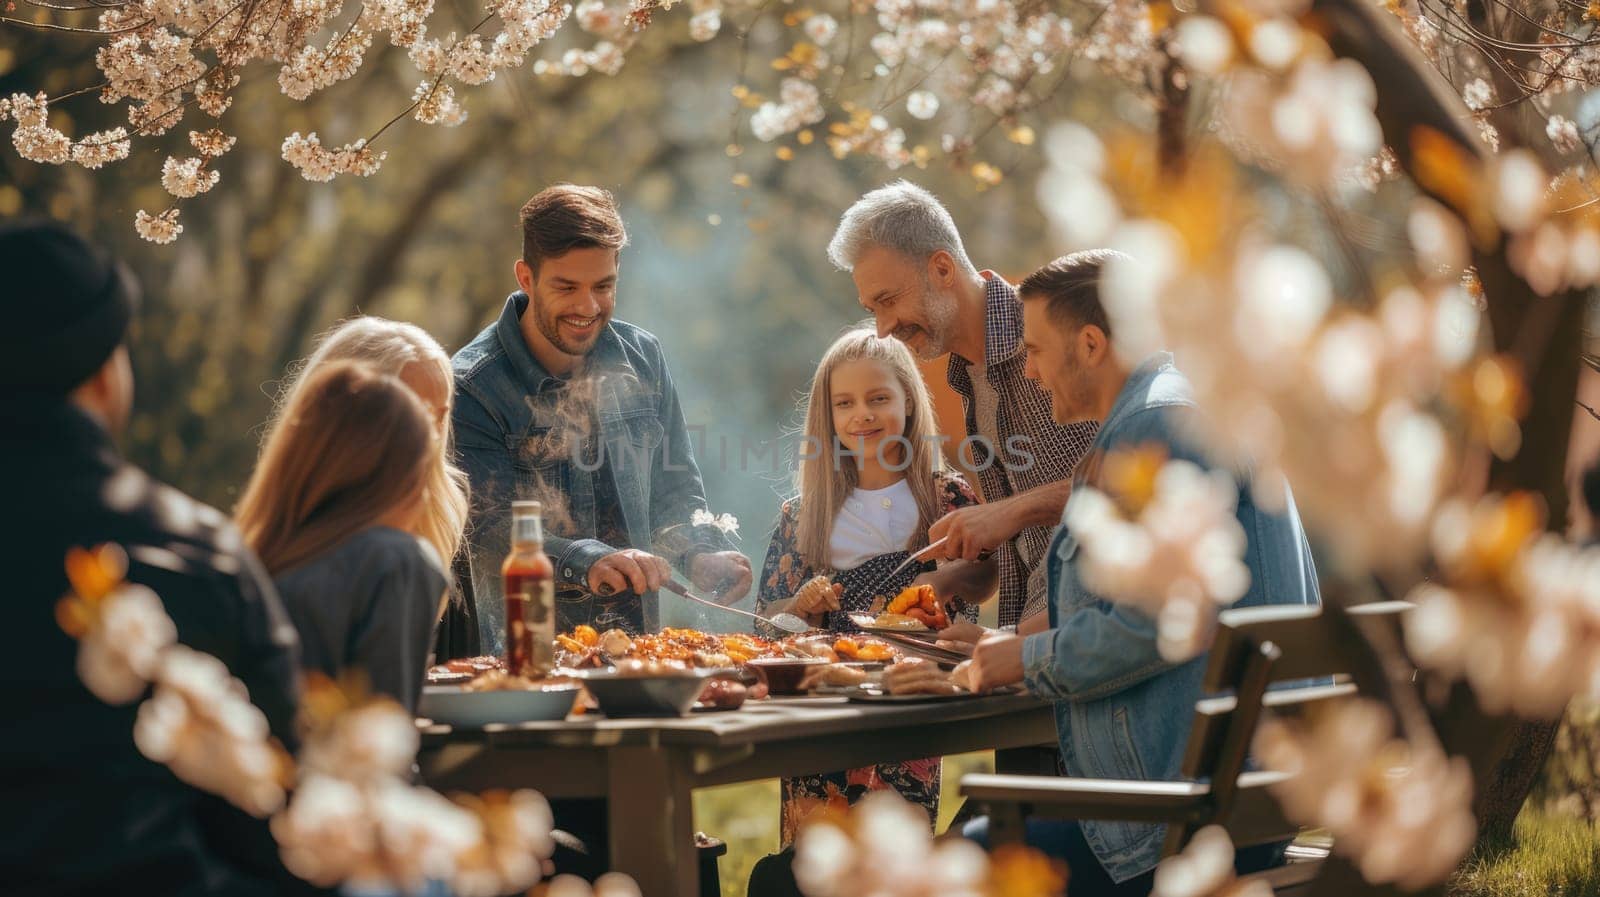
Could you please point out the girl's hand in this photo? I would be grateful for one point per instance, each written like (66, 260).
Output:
(818, 596)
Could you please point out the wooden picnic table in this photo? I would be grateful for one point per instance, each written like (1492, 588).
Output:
(648, 768)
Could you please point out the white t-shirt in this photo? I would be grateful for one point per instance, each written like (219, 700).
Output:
(872, 522)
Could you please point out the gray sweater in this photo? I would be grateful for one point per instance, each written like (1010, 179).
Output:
(369, 603)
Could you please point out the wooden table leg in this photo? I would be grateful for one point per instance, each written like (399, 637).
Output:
(652, 820)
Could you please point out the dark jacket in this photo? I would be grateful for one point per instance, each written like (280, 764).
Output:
(85, 812)
(369, 604)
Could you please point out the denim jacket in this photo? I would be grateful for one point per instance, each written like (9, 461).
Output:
(1122, 712)
(522, 433)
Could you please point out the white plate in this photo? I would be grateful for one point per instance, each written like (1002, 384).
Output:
(454, 706)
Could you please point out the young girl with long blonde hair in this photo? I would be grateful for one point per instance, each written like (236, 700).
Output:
(871, 481)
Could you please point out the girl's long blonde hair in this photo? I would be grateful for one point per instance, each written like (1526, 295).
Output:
(824, 485)
(351, 447)
(390, 347)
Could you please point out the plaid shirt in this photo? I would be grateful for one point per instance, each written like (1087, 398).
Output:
(1030, 449)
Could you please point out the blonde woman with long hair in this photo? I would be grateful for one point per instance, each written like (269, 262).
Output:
(404, 350)
(871, 481)
(338, 508)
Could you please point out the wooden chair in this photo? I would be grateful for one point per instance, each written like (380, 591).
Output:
(1254, 648)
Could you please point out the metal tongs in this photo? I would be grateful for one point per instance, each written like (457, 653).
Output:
(785, 622)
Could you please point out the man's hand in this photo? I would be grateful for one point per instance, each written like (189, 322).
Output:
(961, 636)
(973, 530)
(628, 570)
(724, 573)
(996, 662)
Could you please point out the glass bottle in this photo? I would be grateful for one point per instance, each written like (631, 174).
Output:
(529, 583)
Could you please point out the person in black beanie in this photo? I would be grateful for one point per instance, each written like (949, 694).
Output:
(86, 812)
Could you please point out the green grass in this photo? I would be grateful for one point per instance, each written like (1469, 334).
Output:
(1553, 856)
(746, 817)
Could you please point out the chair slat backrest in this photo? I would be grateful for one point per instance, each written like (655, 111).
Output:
(1212, 717)
(1303, 634)
(1253, 648)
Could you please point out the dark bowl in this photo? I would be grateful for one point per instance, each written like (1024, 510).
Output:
(625, 695)
(783, 674)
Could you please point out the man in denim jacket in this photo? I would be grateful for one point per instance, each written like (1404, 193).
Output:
(1122, 712)
(558, 402)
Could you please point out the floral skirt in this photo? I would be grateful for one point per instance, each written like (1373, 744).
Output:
(917, 781)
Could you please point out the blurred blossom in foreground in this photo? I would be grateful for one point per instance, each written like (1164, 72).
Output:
(121, 628)
(612, 884)
(372, 740)
(1342, 403)
(1401, 811)
(883, 848)
(201, 724)
(354, 818)
(1516, 612)
(1205, 869)
(1164, 540)
(119, 653)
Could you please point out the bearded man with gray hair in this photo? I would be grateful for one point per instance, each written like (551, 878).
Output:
(913, 275)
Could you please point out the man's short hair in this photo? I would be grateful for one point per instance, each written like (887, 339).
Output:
(565, 217)
(900, 216)
(1071, 286)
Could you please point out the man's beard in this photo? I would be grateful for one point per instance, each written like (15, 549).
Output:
(550, 326)
(940, 309)
(1079, 393)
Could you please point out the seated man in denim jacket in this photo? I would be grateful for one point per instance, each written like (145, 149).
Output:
(1122, 712)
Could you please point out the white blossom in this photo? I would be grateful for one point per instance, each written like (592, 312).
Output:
(1402, 811)
(162, 227)
(184, 178)
(118, 656)
(1563, 133)
(705, 25)
(922, 104)
(1477, 94)
(201, 724)
(890, 854)
(821, 28)
(1205, 869)
(101, 148)
(1178, 558)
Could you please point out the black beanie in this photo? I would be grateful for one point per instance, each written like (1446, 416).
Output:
(66, 305)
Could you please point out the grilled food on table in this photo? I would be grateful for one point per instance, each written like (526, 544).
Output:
(500, 680)
(462, 670)
(832, 674)
(916, 608)
(583, 647)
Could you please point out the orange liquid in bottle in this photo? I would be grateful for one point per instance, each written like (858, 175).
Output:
(528, 579)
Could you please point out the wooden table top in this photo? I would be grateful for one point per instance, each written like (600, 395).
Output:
(772, 719)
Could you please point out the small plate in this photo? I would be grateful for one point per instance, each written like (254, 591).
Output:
(865, 622)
